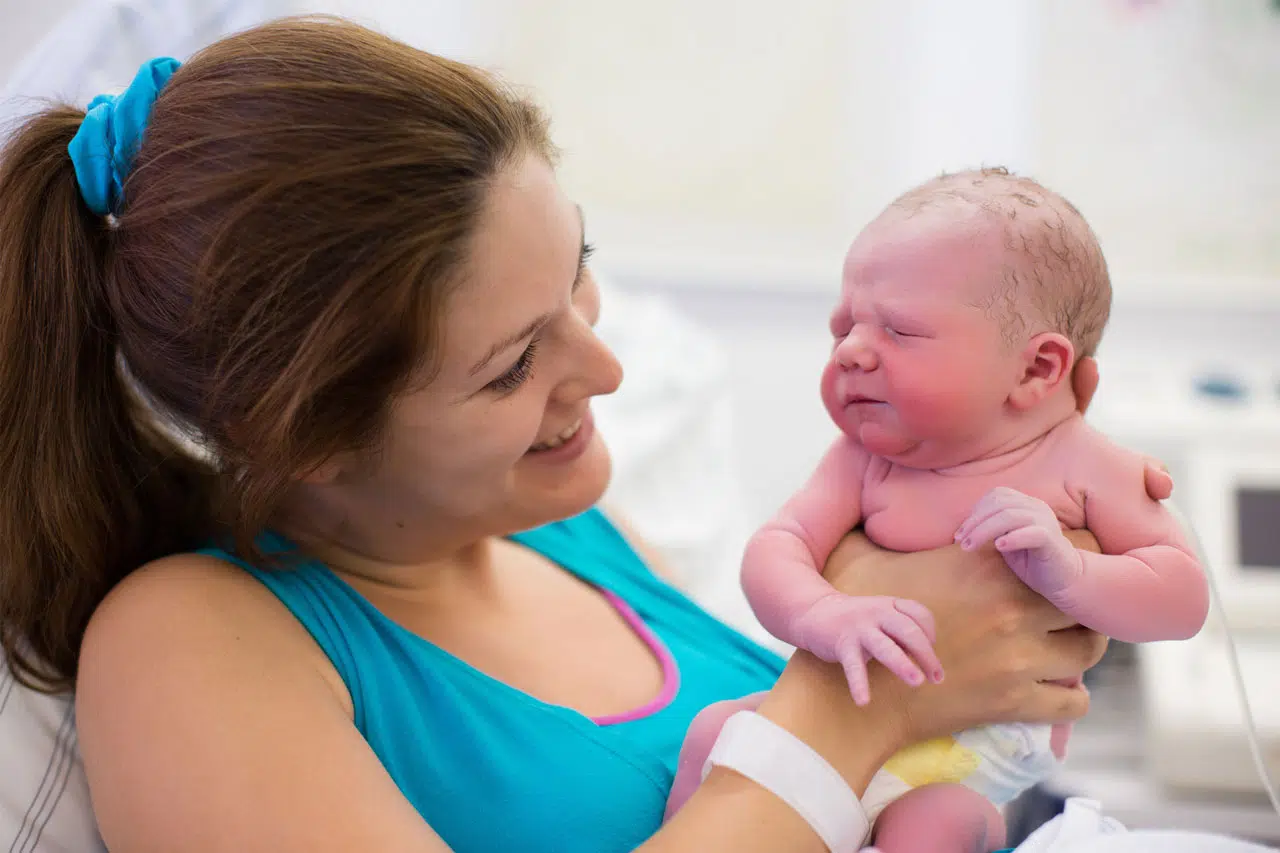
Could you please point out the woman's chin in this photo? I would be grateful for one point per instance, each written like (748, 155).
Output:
(553, 493)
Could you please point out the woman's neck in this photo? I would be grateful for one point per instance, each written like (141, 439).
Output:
(467, 570)
(387, 555)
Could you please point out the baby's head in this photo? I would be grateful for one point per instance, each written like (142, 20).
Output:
(963, 308)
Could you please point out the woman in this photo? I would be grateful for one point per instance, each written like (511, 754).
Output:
(380, 613)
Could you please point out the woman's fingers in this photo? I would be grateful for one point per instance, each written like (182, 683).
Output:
(1053, 703)
(1070, 652)
(1084, 381)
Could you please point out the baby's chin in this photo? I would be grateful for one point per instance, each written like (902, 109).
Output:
(880, 440)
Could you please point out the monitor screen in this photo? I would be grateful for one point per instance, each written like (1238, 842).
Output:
(1258, 528)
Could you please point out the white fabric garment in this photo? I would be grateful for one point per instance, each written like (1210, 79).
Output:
(44, 797)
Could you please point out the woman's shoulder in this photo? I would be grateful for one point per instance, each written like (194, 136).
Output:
(172, 618)
(200, 698)
(180, 592)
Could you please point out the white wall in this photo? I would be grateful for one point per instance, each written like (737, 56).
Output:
(741, 143)
(727, 150)
(24, 24)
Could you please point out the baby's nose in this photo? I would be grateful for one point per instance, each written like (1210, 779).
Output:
(854, 351)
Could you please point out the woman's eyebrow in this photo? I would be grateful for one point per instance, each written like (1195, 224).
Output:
(539, 321)
(509, 341)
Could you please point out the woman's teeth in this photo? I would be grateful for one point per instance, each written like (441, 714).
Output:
(560, 439)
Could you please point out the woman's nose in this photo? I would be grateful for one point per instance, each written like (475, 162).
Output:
(599, 371)
(856, 352)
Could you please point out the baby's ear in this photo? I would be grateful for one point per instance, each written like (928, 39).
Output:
(1047, 360)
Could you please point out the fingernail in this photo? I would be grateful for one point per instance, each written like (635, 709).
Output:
(966, 544)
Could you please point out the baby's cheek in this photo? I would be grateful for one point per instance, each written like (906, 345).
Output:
(945, 391)
(828, 388)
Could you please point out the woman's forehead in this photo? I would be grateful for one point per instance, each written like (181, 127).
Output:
(524, 259)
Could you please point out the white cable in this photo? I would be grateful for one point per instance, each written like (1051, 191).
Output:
(1251, 727)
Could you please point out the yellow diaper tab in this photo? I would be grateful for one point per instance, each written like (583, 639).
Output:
(999, 762)
(933, 761)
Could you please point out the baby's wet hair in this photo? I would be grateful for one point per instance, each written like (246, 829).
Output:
(1054, 256)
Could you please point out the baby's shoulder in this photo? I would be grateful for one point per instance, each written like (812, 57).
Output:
(1093, 455)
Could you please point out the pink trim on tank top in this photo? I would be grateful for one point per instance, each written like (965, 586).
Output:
(670, 672)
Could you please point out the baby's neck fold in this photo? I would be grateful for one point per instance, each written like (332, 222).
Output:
(1018, 436)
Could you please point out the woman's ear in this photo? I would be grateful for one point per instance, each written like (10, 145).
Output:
(325, 473)
(1046, 364)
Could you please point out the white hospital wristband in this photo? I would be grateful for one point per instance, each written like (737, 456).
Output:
(786, 766)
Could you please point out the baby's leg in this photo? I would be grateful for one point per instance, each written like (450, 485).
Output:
(943, 818)
(698, 741)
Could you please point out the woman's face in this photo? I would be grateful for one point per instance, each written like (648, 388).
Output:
(501, 439)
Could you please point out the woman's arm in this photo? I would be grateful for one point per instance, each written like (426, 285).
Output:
(1000, 642)
(209, 721)
(208, 724)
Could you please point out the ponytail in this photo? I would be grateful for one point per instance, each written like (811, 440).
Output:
(90, 487)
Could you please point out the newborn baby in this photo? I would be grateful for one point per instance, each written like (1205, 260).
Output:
(963, 309)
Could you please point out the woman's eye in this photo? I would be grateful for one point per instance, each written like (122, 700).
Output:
(519, 372)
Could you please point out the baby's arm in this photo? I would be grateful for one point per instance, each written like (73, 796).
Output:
(782, 578)
(1147, 583)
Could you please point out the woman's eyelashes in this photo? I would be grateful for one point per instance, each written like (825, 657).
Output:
(519, 372)
(523, 368)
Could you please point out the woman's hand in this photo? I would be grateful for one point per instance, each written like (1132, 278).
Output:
(1002, 646)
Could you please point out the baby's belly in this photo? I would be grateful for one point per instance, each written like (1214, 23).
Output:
(921, 530)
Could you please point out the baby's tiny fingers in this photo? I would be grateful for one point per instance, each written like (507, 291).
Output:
(997, 525)
(920, 614)
(855, 673)
(982, 510)
(910, 638)
(1023, 539)
(978, 516)
(888, 652)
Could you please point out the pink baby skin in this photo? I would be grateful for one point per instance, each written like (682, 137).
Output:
(963, 309)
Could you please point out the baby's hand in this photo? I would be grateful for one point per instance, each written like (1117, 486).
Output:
(1027, 532)
(851, 630)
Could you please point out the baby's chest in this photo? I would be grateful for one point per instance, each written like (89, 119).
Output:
(910, 510)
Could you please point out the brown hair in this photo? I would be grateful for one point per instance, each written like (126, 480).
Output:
(1058, 264)
(304, 197)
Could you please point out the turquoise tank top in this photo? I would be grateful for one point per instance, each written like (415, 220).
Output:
(490, 767)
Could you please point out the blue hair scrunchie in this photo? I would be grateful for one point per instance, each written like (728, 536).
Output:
(103, 149)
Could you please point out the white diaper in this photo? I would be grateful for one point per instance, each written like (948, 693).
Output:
(999, 762)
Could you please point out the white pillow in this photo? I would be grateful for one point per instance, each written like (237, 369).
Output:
(44, 797)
